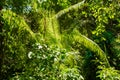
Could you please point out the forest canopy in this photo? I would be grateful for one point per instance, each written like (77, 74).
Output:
(59, 40)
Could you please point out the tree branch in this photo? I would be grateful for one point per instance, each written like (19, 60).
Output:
(62, 12)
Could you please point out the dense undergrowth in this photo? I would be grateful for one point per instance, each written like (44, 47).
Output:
(59, 40)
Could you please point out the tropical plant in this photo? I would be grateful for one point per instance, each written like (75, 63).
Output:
(57, 40)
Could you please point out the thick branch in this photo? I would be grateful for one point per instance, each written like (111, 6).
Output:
(76, 6)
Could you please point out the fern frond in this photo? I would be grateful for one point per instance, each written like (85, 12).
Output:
(88, 43)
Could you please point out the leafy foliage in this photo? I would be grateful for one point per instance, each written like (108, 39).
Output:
(44, 62)
(109, 74)
(59, 40)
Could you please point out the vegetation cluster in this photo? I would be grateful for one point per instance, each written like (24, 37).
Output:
(59, 40)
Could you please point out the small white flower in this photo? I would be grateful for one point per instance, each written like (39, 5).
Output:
(39, 47)
(29, 55)
(57, 53)
(55, 59)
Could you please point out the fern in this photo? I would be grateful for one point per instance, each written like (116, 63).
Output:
(88, 43)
